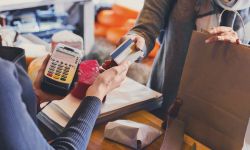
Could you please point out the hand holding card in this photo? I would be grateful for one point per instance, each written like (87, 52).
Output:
(127, 51)
(89, 70)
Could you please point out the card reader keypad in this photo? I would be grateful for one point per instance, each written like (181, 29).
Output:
(58, 69)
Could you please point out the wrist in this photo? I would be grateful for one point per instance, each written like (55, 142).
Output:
(97, 91)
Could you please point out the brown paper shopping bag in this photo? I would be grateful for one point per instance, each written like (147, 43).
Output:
(215, 89)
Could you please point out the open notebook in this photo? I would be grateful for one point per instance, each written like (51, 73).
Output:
(129, 97)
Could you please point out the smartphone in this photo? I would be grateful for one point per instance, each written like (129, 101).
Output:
(61, 70)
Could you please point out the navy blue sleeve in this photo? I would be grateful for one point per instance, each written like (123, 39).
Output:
(78, 131)
(19, 131)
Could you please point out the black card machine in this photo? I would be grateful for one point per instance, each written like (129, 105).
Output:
(61, 69)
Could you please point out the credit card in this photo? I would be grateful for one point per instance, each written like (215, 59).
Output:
(127, 51)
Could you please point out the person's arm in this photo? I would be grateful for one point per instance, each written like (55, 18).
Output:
(152, 19)
(18, 130)
(77, 132)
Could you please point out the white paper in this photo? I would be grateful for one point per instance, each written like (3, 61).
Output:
(130, 92)
(129, 132)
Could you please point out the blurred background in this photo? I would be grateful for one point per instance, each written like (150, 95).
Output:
(95, 26)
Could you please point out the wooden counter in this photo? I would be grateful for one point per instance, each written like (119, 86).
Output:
(97, 141)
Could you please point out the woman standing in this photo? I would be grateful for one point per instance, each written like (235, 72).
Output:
(225, 20)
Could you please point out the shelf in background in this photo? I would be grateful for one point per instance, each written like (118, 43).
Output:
(7, 5)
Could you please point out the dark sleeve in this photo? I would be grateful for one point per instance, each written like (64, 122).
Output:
(78, 131)
(28, 95)
(152, 19)
(18, 130)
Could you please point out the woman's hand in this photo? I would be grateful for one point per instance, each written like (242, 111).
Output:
(108, 80)
(223, 33)
(40, 94)
(139, 41)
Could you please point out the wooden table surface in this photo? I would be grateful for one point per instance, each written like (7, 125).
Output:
(97, 141)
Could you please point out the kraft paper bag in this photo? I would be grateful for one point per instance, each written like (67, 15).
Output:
(173, 138)
(246, 145)
(215, 89)
(130, 133)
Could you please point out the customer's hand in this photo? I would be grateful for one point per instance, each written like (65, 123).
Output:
(139, 40)
(108, 80)
(223, 33)
(40, 94)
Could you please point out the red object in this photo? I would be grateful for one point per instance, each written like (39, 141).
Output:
(107, 65)
(49, 74)
(125, 11)
(100, 30)
(129, 24)
(87, 74)
(110, 19)
(114, 34)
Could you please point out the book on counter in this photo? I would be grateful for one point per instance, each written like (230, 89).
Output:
(129, 97)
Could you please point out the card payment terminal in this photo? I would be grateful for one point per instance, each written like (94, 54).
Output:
(61, 69)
